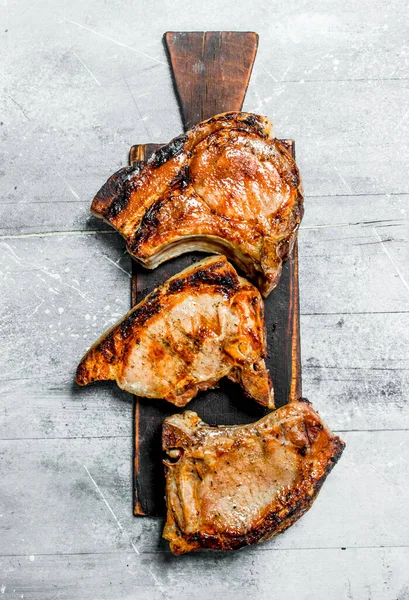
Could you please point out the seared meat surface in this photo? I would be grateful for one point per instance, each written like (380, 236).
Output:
(227, 487)
(201, 325)
(224, 187)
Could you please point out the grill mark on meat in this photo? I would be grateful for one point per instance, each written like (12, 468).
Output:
(167, 152)
(141, 315)
(114, 195)
(251, 120)
(225, 283)
(160, 348)
(243, 122)
(182, 179)
(183, 351)
(149, 223)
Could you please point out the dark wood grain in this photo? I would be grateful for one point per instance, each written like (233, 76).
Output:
(226, 404)
(211, 71)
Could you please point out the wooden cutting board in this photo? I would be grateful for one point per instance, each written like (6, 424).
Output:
(211, 72)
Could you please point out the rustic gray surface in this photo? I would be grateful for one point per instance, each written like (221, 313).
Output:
(81, 82)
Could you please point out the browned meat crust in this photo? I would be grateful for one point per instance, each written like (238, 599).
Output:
(223, 187)
(227, 487)
(199, 326)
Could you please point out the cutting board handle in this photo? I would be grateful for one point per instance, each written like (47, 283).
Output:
(211, 71)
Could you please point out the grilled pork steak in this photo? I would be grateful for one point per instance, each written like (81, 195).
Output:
(201, 325)
(224, 187)
(227, 487)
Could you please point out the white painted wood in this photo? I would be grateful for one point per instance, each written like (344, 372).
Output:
(376, 573)
(79, 84)
(58, 294)
(87, 576)
(349, 270)
(386, 210)
(356, 369)
(396, 247)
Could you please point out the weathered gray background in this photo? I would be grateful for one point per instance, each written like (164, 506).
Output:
(83, 80)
